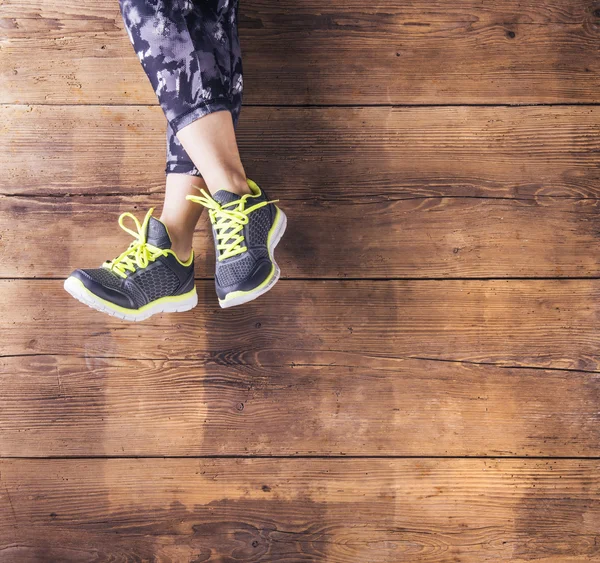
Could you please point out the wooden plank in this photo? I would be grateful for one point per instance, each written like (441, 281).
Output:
(541, 323)
(340, 52)
(286, 510)
(69, 406)
(566, 12)
(414, 238)
(375, 154)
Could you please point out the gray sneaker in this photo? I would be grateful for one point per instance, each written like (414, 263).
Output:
(246, 230)
(147, 278)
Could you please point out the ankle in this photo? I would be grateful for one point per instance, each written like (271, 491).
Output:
(181, 243)
(183, 253)
(232, 181)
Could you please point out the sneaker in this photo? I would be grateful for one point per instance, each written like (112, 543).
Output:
(246, 230)
(146, 279)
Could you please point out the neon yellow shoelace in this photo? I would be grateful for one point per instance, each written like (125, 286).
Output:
(139, 253)
(229, 220)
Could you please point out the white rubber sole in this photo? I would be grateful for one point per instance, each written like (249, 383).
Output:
(244, 297)
(175, 304)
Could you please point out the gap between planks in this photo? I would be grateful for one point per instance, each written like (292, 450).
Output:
(356, 201)
(348, 106)
(335, 457)
(352, 279)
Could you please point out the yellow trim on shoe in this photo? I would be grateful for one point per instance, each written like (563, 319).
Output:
(187, 262)
(235, 294)
(124, 310)
(278, 227)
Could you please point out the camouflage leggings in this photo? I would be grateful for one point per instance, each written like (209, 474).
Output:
(191, 53)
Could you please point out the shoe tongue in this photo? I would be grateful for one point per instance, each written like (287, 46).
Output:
(157, 234)
(223, 197)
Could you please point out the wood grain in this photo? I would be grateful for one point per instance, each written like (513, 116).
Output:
(81, 406)
(288, 510)
(369, 420)
(393, 238)
(340, 52)
(341, 154)
(541, 323)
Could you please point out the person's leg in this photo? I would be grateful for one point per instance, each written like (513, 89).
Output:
(179, 214)
(187, 51)
(212, 146)
(182, 179)
(156, 272)
(246, 226)
(201, 77)
(212, 140)
(190, 52)
(211, 149)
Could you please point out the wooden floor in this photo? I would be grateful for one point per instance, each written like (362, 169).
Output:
(423, 385)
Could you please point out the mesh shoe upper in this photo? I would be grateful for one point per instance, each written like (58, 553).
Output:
(249, 269)
(161, 277)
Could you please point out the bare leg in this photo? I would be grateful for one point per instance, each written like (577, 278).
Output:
(180, 215)
(210, 143)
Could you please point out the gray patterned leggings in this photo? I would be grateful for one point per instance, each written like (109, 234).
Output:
(191, 53)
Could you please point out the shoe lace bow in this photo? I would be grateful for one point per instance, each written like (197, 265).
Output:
(139, 253)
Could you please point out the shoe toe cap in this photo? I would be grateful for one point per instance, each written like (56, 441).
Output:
(261, 271)
(112, 294)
